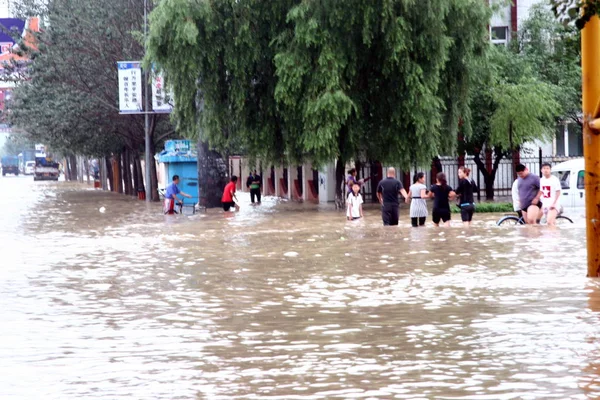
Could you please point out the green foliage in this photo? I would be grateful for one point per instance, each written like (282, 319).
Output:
(513, 103)
(555, 52)
(218, 59)
(524, 111)
(516, 99)
(70, 100)
(467, 59)
(299, 80)
(487, 208)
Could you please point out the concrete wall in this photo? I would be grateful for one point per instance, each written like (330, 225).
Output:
(523, 7)
(327, 183)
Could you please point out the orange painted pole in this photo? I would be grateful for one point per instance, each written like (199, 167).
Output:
(590, 65)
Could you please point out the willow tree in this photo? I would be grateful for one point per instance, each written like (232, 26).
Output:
(293, 81)
(217, 57)
(384, 80)
(513, 105)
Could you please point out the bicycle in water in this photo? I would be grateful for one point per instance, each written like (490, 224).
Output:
(517, 219)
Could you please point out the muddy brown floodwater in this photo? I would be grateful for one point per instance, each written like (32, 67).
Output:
(285, 301)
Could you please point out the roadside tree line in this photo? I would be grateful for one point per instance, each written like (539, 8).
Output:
(398, 82)
(69, 98)
(295, 81)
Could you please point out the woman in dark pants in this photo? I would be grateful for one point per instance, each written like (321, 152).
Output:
(441, 194)
(465, 191)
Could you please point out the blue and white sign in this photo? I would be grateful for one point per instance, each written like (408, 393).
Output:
(130, 86)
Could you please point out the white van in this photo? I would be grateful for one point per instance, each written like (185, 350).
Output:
(571, 175)
(29, 167)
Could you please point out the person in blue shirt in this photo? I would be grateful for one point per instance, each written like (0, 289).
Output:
(171, 195)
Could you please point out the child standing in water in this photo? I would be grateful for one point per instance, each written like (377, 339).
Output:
(441, 194)
(465, 191)
(354, 201)
(418, 205)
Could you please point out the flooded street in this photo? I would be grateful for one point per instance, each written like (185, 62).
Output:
(103, 297)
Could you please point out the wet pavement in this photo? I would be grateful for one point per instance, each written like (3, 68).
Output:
(101, 296)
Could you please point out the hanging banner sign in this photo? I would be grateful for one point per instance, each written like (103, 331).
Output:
(161, 101)
(130, 87)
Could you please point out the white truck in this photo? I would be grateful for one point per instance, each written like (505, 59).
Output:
(45, 169)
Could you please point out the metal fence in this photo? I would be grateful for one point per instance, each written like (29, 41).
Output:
(505, 174)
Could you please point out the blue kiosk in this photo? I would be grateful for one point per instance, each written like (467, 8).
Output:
(181, 158)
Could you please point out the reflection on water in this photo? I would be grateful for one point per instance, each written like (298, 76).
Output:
(285, 301)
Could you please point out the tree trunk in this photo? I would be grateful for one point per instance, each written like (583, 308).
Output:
(66, 169)
(140, 172)
(153, 173)
(515, 151)
(135, 174)
(212, 176)
(127, 173)
(488, 159)
(340, 166)
(489, 175)
(119, 174)
(489, 186)
(80, 168)
(122, 166)
(109, 174)
(339, 182)
(72, 168)
(436, 167)
(86, 168)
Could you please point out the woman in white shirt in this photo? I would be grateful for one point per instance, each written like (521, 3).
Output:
(418, 205)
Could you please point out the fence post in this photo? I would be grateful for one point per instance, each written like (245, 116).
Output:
(478, 185)
(540, 160)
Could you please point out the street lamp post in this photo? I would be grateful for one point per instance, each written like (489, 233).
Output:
(148, 156)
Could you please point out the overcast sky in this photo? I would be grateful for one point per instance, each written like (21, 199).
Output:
(4, 7)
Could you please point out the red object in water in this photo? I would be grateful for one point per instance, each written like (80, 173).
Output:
(96, 184)
(141, 195)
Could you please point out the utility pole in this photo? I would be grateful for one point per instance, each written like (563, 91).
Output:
(148, 156)
(590, 65)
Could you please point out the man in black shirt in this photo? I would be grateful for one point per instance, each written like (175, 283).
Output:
(254, 183)
(387, 193)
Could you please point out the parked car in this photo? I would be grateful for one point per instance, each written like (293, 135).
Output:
(29, 167)
(571, 175)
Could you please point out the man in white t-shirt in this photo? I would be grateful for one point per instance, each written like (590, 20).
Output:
(550, 188)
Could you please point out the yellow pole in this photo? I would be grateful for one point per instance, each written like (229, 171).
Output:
(590, 65)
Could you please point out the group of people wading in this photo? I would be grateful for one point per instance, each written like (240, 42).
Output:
(417, 195)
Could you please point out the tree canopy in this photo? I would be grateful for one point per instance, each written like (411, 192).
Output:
(554, 50)
(292, 81)
(70, 99)
(524, 90)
